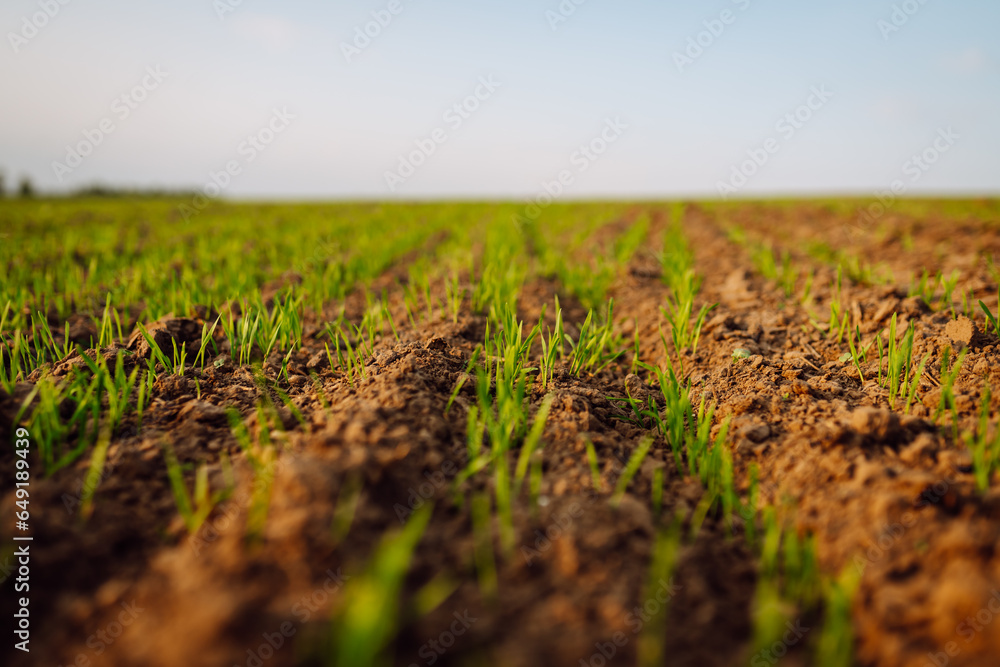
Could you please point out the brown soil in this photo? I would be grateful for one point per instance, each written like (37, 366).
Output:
(887, 493)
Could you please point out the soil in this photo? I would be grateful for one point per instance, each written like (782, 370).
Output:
(891, 495)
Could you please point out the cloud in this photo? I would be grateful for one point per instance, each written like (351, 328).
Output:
(273, 33)
(970, 61)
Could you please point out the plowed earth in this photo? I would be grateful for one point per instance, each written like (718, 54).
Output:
(887, 493)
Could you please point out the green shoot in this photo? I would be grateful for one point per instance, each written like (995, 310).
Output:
(194, 511)
(595, 472)
(948, 378)
(835, 647)
(994, 321)
(483, 545)
(657, 491)
(365, 618)
(899, 357)
(911, 392)
(651, 647)
(854, 356)
(552, 347)
(94, 474)
(631, 468)
(531, 441)
(592, 350)
(985, 449)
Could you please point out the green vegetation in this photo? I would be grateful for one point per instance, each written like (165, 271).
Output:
(352, 281)
(993, 320)
(195, 509)
(679, 275)
(631, 468)
(780, 270)
(365, 619)
(949, 373)
(791, 590)
(552, 342)
(595, 471)
(858, 358)
(856, 269)
(565, 241)
(659, 579)
(899, 357)
(94, 474)
(985, 447)
(835, 647)
(592, 351)
(927, 289)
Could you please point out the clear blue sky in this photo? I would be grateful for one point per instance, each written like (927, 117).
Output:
(892, 94)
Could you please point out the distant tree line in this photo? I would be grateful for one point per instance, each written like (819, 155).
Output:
(98, 190)
(26, 190)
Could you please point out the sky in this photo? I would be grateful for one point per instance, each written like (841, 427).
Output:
(412, 99)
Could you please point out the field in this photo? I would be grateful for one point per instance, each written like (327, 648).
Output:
(748, 433)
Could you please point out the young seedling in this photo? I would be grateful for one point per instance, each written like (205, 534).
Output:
(552, 347)
(290, 404)
(206, 338)
(503, 494)
(748, 511)
(651, 648)
(762, 256)
(195, 510)
(156, 352)
(347, 505)
(631, 468)
(924, 288)
(595, 471)
(455, 296)
(684, 332)
(985, 449)
(461, 381)
(482, 532)
(95, 472)
(46, 420)
(806, 299)
(366, 617)
(899, 357)
(701, 511)
(119, 388)
(789, 582)
(532, 441)
(643, 416)
(948, 286)
(835, 647)
(678, 273)
(948, 378)
(657, 491)
(592, 350)
(993, 321)
(911, 392)
(789, 275)
(672, 421)
(855, 356)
